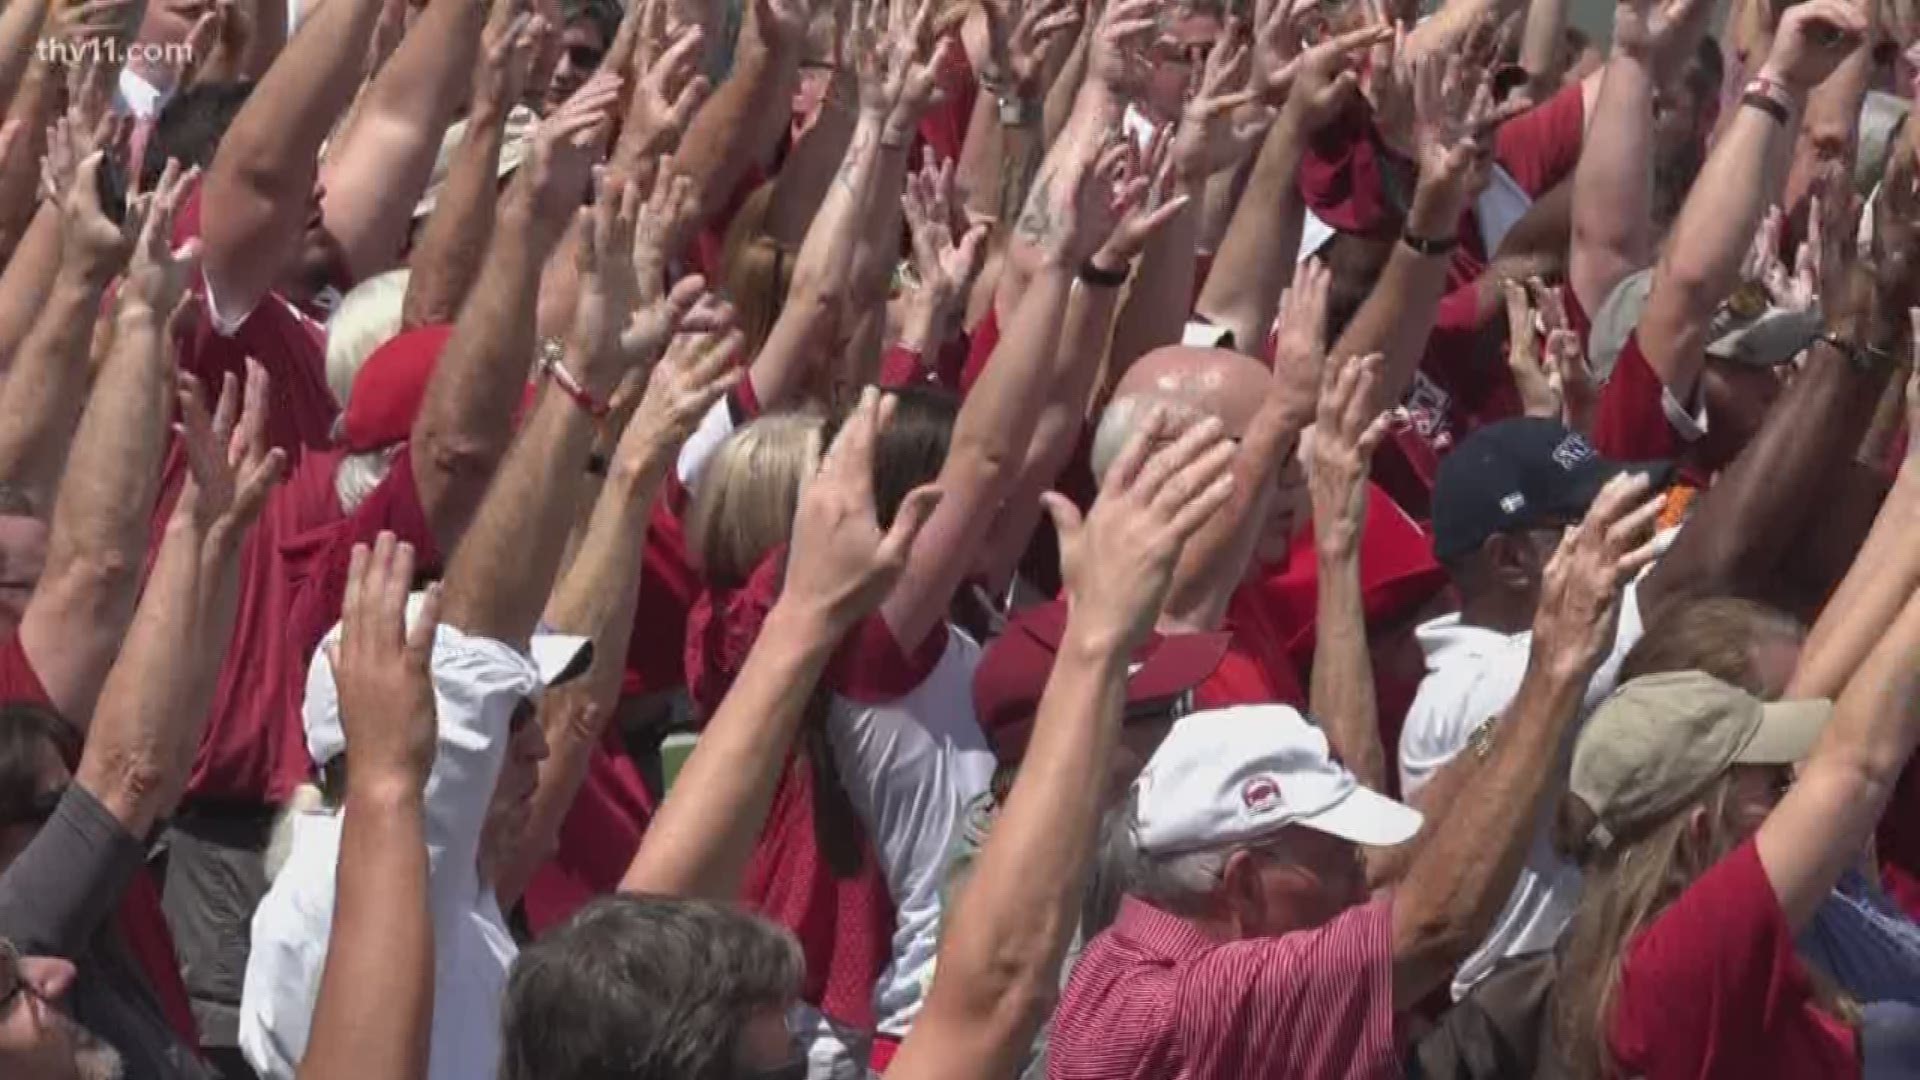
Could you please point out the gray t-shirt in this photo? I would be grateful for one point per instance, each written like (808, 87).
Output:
(58, 899)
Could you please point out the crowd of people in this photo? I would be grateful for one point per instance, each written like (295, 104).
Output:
(1086, 539)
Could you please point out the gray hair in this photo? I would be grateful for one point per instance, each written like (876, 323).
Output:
(358, 474)
(368, 316)
(1124, 415)
(1178, 882)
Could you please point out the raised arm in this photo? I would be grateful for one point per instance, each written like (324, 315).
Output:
(999, 967)
(597, 594)
(1749, 526)
(1613, 182)
(839, 566)
(1472, 847)
(446, 260)
(502, 573)
(47, 386)
(1253, 265)
(27, 283)
(263, 175)
(996, 423)
(374, 1016)
(1004, 138)
(1828, 815)
(1338, 453)
(74, 622)
(156, 698)
(377, 168)
(743, 120)
(1741, 178)
(466, 417)
(1884, 574)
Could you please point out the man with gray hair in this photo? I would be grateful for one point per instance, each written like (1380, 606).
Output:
(1247, 945)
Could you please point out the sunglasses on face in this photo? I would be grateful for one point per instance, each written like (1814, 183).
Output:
(585, 57)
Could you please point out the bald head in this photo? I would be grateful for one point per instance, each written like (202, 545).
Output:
(1189, 383)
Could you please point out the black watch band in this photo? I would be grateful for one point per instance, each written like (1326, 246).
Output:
(1103, 279)
(1426, 245)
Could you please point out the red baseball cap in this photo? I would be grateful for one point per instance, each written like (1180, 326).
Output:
(389, 389)
(1014, 669)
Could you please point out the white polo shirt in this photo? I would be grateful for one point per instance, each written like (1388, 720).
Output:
(911, 757)
(1473, 674)
(478, 683)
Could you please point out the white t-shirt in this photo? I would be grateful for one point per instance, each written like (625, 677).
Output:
(912, 758)
(1472, 674)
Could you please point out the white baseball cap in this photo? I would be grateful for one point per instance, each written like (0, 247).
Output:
(553, 659)
(1226, 776)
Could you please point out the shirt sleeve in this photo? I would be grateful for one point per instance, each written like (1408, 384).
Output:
(1540, 147)
(1639, 419)
(61, 889)
(1715, 973)
(1320, 1001)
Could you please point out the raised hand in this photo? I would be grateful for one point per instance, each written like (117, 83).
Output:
(1300, 342)
(1141, 193)
(508, 45)
(687, 308)
(781, 24)
(1217, 131)
(667, 90)
(1538, 395)
(1455, 117)
(1569, 375)
(608, 287)
(1389, 89)
(1896, 229)
(566, 146)
(1813, 38)
(158, 275)
(1019, 33)
(1338, 452)
(1320, 83)
(93, 246)
(841, 564)
(697, 371)
(382, 668)
(1580, 587)
(1118, 560)
(662, 229)
(944, 266)
(230, 470)
(1117, 58)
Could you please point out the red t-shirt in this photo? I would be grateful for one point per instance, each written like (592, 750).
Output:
(18, 680)
(597, 841)
(1256, 668)
(292, 580)
(1632, 421)
(1712, 989)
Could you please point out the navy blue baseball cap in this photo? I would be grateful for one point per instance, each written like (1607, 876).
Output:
(1520, 474)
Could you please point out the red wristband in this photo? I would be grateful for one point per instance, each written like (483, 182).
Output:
(570, 386)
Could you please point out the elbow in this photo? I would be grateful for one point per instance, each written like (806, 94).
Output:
(100, 578)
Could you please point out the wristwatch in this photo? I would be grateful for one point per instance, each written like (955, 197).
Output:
(1015, 111)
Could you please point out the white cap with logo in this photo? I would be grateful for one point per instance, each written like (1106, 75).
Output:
(1227, 776)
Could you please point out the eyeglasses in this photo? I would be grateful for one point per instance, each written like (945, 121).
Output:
(585, 57)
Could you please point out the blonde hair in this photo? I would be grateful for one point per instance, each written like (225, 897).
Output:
(743, 505)
(367, 318)
(1626, 888)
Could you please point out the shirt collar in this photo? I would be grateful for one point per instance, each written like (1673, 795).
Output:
(1160, 933)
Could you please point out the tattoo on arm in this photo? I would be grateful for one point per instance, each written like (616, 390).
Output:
(1037, 222)
(1016, 179)
(858, 151)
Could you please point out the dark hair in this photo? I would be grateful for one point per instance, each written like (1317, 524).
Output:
(644, 988)
(1354, 264)
(26, 730)
(1715, 636)
(605, 14)
(912, 450)
(1707, 70)
(190, 127)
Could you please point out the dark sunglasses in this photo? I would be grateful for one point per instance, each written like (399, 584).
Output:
(585, 57)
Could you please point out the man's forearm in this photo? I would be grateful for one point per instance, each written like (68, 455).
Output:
(448, 258)
(1613, 184)
(27, 281)
(1831, 132)
(466, 417)
(1161, 295)
(380, 165)
(41, 401)
(34, 107)
(698, 843)
(1341, 695)
(73, 625)
(1398, 315)
(21, 22)
(1000, 961)
(740, 123)
(1254, 262)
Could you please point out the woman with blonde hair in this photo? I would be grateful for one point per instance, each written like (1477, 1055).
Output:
(1706, 851)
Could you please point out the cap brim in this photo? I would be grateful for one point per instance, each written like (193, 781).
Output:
(1774, 338)
(1176, 664)
(560, 657)
(1367, 817)
(1595, 475)
(1787, 732)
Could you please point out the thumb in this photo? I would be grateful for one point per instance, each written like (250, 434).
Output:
(1067, 519)
(914, 511)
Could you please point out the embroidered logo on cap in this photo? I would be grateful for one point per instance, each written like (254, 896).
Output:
(1513, 503)
(1573, 451)
(1260, 794)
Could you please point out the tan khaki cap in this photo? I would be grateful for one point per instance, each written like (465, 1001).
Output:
(1652, 747)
